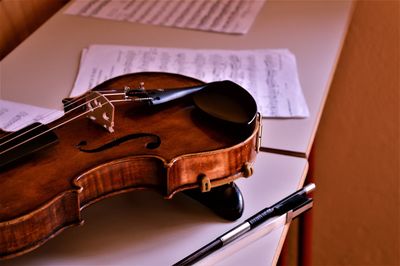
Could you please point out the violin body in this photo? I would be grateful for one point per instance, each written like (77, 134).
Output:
(168, 148)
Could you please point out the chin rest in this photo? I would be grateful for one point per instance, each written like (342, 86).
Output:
(226, 201)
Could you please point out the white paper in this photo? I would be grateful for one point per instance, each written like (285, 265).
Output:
(15, 116)
(269, 75)
(227, 16)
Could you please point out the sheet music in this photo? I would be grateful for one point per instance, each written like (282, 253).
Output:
(14, 116)
(227, 16)
(269, 75)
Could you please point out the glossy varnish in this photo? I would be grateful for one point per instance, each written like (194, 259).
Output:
(43, 193)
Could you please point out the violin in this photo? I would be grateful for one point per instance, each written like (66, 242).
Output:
(159, 131)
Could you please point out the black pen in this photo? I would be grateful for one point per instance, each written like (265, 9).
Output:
(283, 206)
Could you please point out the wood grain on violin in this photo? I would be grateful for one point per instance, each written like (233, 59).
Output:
(170, 147)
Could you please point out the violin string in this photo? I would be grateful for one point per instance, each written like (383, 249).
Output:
(45, 116)
(68, 104)
(50, 129)
(27, 131)
(73, 109)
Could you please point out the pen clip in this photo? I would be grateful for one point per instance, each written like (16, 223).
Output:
(293, 213)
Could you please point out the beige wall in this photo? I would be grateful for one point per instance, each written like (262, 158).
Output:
(356, 152)
(19, 18)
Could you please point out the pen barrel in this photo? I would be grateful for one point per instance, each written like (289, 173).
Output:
(200, 253)
(235, 233)
(261, 217)
(283, 206)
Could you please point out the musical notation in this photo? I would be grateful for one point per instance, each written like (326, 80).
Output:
(269, 75)
(15, 116)
(226, 16)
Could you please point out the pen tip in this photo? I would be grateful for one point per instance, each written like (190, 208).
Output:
(310, 187)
